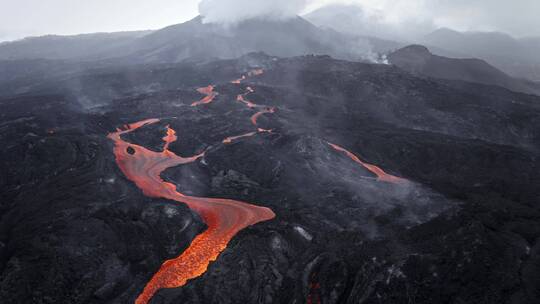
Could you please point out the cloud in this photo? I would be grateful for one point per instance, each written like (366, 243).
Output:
(515, 17)
(371, 21)
(82, 16)
(518, 18)
(234, 11)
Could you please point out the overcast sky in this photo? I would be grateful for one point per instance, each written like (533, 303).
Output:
(19, 18)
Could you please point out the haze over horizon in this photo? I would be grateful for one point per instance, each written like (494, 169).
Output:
(63, 17)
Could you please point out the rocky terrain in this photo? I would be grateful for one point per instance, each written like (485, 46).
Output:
(460, 223)
(417, 59)
(516, 56)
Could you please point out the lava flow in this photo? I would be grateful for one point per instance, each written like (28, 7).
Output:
(381, 175)
(239, 80)
(210, 95)
(223, 217)
(256, 116)
(230, 140)
(314, 290)
(242, 98)
(255, 72)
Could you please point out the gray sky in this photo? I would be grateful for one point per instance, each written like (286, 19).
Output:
(19, 18)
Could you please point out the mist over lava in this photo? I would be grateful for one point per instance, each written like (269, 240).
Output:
(230, 12)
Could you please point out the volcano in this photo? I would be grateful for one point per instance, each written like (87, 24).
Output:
(293, 180)
(418, 59)
(263, 162)
(196, 40)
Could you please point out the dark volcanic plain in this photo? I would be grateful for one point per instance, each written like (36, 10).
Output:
(465, 228)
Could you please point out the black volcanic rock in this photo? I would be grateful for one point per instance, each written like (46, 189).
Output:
(464, 229)
(419, 60)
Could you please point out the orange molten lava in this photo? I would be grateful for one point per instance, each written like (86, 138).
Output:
(381, 175)
(239, 80)
(224, 217)
(255, 72)
(314, 290)
(210, 95)
(230, 140)
(243, 100)
(256, 116)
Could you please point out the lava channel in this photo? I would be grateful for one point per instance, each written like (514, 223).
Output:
(241, 98)
(230, 140)
(223, 217)
(210, 95)
(265, 109)
(255, 72)
(381, 175)
(256, 116)
(239, 80)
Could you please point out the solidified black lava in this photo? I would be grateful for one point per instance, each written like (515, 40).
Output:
(465, 229)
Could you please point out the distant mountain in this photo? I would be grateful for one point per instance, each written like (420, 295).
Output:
(352, 19)
(531, 42)
(66, 47)
(478, 43)
(517, 57)
(280, 38)
(197, 40)
(418, 59)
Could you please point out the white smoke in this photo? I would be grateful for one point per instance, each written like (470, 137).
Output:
(234, 11)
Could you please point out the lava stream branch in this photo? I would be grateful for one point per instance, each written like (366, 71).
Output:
(255, 72)
(209, 97)
(254, 118)
(223, 217)
(231, 139)
(380, 173)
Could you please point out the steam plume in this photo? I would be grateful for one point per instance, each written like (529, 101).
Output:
(234, 11)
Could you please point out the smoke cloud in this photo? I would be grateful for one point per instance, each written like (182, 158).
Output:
(234, 11)
(411, 17)
(358, 19)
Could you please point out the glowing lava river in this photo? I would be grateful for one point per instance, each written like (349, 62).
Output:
(380, 173)
(210, 96)
(224, 217)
